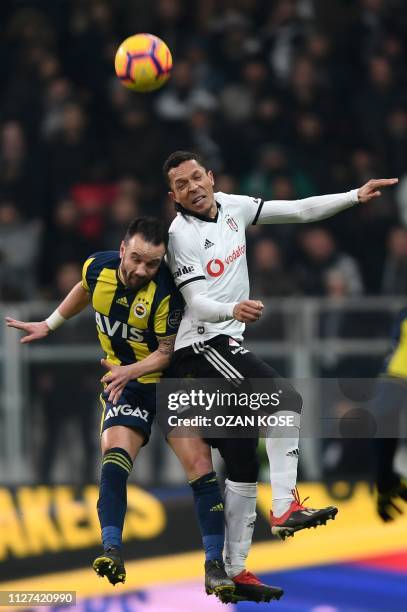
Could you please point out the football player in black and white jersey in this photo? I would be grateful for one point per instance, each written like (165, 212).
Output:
(207, 256)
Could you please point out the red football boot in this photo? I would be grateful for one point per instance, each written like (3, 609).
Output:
(249, 588)
(300, 517)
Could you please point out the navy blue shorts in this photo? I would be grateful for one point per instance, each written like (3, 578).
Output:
(136, 408)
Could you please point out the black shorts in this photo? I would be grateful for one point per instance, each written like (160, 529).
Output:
(224, 357)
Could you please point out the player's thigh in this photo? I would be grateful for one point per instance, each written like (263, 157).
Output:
(194, 455)
(120, 436)
(261, 377)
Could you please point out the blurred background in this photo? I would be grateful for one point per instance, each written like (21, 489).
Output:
(284, 99)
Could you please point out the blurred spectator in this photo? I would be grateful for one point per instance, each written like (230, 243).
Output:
(74, 153)
(273, 164)
(312, 153)
(396, 141)
(226, 183)
(17, 171)
(63, 242)
(269, 275)
(19, 249)
(58, 92)
(394, 281)
(283, 33)
(204, 140)
(123, 210)
(238, 99)
(318, 256)
(182, 95)
(136, 125)
(268, 124)
(375, 100)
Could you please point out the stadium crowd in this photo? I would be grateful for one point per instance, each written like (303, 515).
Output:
(284, 98)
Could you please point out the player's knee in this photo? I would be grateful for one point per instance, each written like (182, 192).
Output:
(244, 472)
(243, 466)
(198, 466)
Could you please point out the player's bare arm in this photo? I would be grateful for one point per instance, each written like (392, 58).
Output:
(76, 300)
(119, 375)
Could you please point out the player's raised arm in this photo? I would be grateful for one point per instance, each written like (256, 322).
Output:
(76, 300)
(319, 207)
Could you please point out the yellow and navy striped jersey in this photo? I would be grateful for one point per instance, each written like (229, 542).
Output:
(128, 321)
(396, 363)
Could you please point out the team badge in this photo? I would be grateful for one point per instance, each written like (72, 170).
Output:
(174, 318)
(140, 310)
(232, 223)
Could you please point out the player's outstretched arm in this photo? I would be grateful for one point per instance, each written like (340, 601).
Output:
(317, 208)
(76, 300)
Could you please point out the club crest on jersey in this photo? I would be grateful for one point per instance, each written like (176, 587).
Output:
(174, 318)
(140, 310)
(232, 223)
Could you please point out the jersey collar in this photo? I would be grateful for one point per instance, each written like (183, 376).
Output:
(183, 211)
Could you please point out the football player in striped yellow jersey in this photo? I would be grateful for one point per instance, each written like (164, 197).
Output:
(391, 399)
(137, 311)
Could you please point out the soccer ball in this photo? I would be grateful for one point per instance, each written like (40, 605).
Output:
(143, 62)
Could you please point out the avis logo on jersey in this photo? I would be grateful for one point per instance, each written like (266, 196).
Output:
(117, 328)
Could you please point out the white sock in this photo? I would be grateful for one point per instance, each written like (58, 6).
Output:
(282, 452)
(240, 516)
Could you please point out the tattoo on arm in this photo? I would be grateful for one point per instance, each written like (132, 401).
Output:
(166, 345)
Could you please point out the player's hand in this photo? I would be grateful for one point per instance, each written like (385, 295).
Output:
(248, 311)
(34, 331)
(116, 379)
(372, 188)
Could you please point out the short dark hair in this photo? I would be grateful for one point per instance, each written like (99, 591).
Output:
(177, 158)
(152, 229)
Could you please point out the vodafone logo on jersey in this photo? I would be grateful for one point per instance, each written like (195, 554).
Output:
(216, 267)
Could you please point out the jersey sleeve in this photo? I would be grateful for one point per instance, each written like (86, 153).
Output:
(306, 210)
(168, 314)
(245, 207)
(86, 273)
(183, 259)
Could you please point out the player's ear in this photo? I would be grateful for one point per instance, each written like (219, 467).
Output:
(212, 178)
(172, 196)
(122, 249)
